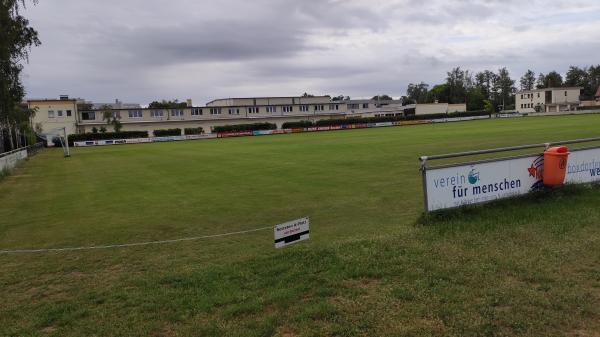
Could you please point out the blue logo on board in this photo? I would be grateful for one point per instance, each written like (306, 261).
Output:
(473, 177)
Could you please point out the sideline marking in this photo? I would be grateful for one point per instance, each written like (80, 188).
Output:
(66, 249)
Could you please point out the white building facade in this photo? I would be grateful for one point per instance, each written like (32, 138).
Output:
(548, 100)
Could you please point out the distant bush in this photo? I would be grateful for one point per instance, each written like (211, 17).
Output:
(167, 132)
(297, 125)
(80, 137)
(245, 127)
(193, 131)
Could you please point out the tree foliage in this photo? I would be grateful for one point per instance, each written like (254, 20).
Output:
(112, 118)
(382, 98)
(164, 104)
(528, 80)
(16, 39)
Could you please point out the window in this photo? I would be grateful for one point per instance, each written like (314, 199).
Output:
(353, 106)
(288, 108)
(253, 110)
(135, 114)
(68, 113)
(365, 105)
(538, 95)
(88, 116)
(319, 107)
(215, 111)
(521, 96)
(177, 113)
(59, 113)
(271, 109)
(334, 107)
(565, 93)
(50, 114)
(234, 111)
(156, 113)
(196, 111)
(304, 108)
(116, 114)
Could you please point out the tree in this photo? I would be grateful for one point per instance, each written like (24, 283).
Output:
(340, 98)
(553, 80)
(528, 80)
(488, 106)
(475, 99)
(111, 117)
(417, 93)
(458, 82)
(541, 81)
(484, 81)
(382, 98)
(594, 80)
(16, 40)
(505, 88)
(439, 93)
(307, 95)
(163, 104)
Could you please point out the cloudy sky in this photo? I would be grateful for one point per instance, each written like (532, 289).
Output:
(141, 50)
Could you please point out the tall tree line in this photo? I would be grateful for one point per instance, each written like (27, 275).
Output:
(495, 90)
(16, 39)
(479, 91)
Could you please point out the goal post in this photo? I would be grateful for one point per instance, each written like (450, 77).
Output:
(61, 135)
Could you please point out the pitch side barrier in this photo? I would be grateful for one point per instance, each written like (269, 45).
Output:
(473, 182)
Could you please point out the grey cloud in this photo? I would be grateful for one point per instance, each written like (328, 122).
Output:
(141, 50)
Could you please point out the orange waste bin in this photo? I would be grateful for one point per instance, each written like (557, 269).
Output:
(555, 165)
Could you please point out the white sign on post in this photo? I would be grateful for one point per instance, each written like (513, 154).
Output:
(473, 183)
(291, 232)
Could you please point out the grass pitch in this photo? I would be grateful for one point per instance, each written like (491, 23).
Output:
(372, 267)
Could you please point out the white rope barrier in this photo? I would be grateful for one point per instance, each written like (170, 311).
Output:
(134, 244)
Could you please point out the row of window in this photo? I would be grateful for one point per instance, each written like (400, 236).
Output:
(357, 106)
(59, 113)
(91, 115)
(527, 105)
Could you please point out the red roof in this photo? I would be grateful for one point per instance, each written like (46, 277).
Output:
(598, 92)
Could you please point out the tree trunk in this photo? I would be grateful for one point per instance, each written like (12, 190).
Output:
(10, 137)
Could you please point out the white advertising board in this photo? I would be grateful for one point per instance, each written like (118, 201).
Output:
(473, 183)
(583, 166)
(291, 232)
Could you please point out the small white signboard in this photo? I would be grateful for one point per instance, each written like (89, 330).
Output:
(291, 232)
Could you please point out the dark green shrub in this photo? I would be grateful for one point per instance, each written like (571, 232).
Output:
(245, 127)
(193, 131)
(167, 132)
(297, 125)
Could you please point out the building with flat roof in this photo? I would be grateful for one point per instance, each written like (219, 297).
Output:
(52, 114)
(226, 111)
(548, 99)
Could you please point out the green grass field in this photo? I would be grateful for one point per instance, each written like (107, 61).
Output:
(373, 266)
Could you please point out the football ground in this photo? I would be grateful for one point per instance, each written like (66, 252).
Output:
(374, 266)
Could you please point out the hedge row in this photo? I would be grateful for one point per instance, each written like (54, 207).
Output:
(167, 132)
(79, 137)
(297, 125)
(193, 131)
(245, 127)
(383, 119)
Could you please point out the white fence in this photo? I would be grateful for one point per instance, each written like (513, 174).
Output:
(10, 159)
